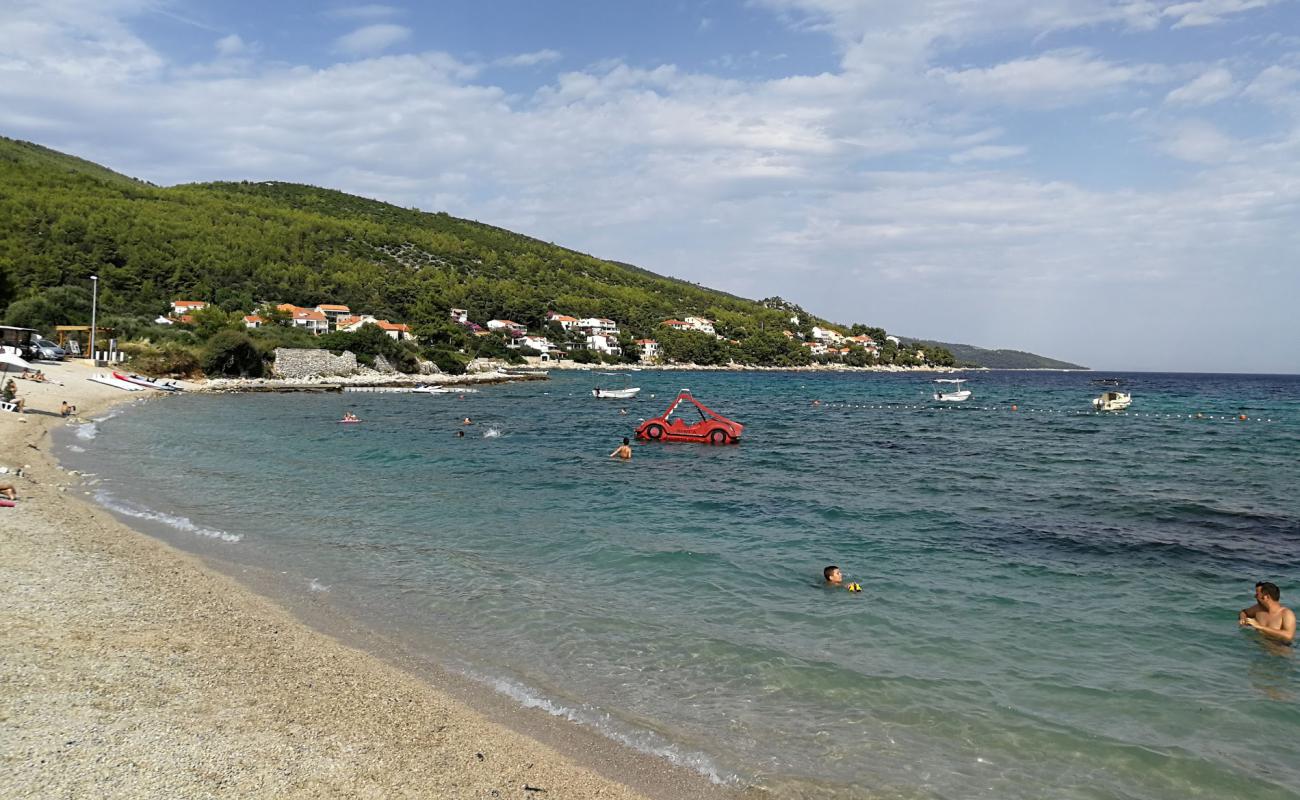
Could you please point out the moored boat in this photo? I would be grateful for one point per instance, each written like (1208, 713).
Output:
(1112, 401)
(108, 379)
(148, 383)
(958, 394)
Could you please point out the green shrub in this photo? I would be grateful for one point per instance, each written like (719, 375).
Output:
(171, 359)
(232, 354)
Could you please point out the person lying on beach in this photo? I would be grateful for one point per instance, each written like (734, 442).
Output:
(1268, 615)
(8, 490)
(623, 451)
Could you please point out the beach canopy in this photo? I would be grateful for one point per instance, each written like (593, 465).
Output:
(11, 360)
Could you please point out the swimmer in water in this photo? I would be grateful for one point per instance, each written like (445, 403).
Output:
(467, 421)
(832, 576)
(1268, 615)
(350, 417)
(460, 434)
(624, 451)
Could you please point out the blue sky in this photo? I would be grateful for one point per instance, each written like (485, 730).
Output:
(1114, 182)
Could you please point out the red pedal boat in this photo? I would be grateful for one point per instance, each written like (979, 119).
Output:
(713, 428)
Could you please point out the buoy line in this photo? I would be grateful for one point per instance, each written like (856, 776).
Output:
(1074, 412)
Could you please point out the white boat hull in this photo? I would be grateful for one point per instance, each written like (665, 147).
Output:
(953, 397)
(1112, 401)
(109, 380)
(615, 394)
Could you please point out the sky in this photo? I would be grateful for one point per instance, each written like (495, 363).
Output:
(1111, 182)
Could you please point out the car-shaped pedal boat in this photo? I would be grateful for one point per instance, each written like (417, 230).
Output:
(712, 428)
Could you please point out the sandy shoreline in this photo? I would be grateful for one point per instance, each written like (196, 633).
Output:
(131, 669)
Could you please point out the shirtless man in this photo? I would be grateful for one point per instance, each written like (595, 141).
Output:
(624, 451)
(1268, 615)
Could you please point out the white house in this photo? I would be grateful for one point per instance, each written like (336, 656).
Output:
(701, 324)
(253, 321)
(895, 340)
(334, 312)
(312, 320)
(650, 350)
(353, 323)
(598, 325)
(509, 326)
(677, 324)
(182, 307)
(827, 335)
(816, 348)
(603, 343)
(564, 320)
(539, 343)
(460, 315)
(395, 330)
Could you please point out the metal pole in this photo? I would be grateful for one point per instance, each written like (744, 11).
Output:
(94, 303)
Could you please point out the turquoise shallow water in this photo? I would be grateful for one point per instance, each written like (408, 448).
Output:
(1049, 597)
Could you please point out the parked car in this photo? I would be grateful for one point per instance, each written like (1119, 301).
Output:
(46, 350)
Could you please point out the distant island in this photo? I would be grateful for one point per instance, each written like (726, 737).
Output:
(215, 277)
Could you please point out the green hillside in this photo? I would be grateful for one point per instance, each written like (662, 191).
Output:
(997, 359)
(238, 245)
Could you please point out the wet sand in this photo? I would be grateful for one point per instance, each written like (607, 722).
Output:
(131, 669)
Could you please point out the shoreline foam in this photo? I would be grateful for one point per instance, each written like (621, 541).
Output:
(133, 669)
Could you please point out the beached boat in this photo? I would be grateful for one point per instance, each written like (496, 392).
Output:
(623, 393)
(1112, 401)
(957, 394)
(712, 427)
(148, 383)
(108, 380)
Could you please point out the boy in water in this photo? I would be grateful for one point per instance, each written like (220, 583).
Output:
(833, 576)
(1268, 615)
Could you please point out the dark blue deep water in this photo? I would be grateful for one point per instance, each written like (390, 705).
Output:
(1049, 595)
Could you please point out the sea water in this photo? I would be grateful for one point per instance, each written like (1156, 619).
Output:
(1049, 595)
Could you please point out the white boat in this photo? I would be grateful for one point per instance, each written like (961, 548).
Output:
(108, 380)
(1112, 401)
(148, 383)
(623, 393)
(955, 395)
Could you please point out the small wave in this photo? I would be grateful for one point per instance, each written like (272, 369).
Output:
(113, 412)
(642, 741)
(491, 433)
(87, 432)
(179, 523)
(316, 586)
(72, 448)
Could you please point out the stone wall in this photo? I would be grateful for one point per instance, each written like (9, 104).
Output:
(293, 363)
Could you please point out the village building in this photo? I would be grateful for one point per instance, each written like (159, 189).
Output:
(253, 321)
(603, 343)
(598, 325)
(507, 326)
(650, 350)
(701, 324)
(816, 348)
(182, 307)
(563, 320)
(333, 313)
(677, 324)
(395, 330)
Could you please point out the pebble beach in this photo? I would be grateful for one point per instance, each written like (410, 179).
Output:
(130, 669)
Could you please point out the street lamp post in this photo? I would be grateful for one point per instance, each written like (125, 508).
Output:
(94, 304)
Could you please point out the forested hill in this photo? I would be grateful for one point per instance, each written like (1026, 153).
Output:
(997, 359)
(236, 245)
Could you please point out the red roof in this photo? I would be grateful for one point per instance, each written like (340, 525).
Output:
(309, 313)
(253, 318)
(646, 341)
(392, 326)
(675, 322)
(561, 317)
(327, 307)
(189, 304)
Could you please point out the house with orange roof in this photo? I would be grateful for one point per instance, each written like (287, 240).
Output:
(253, 321)
(563, 320)
(333, 312)
(395, 330)
(677, 324)
(815, 348)
(508, 326)
(311, 320)
(180, 307)
(650, 350)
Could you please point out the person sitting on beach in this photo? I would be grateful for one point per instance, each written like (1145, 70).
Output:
(623, 451)
(1268, 615)
(66, 410)
(832, 576)
(8, 490)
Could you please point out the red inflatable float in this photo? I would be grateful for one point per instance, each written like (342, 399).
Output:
(712, 428)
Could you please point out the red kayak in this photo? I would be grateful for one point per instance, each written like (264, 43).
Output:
(712, 427)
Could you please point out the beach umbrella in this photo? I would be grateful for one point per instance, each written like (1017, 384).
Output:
(9, 359)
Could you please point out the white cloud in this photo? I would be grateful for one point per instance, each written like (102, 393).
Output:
(231, 45)
(1209, 12)
(1051, 80)
(1211, 87)
(1275, 86)
(1199, 141)
(987, 152)
(372, 39)
(529, 59)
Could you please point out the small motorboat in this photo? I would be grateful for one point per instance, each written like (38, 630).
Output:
(623, 393)
(1112, 401)
(957, 394)
(108, 379)
(148, 383)
(712, 427)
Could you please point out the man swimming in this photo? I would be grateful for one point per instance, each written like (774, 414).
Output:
(1268, 615)
(624, 450)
